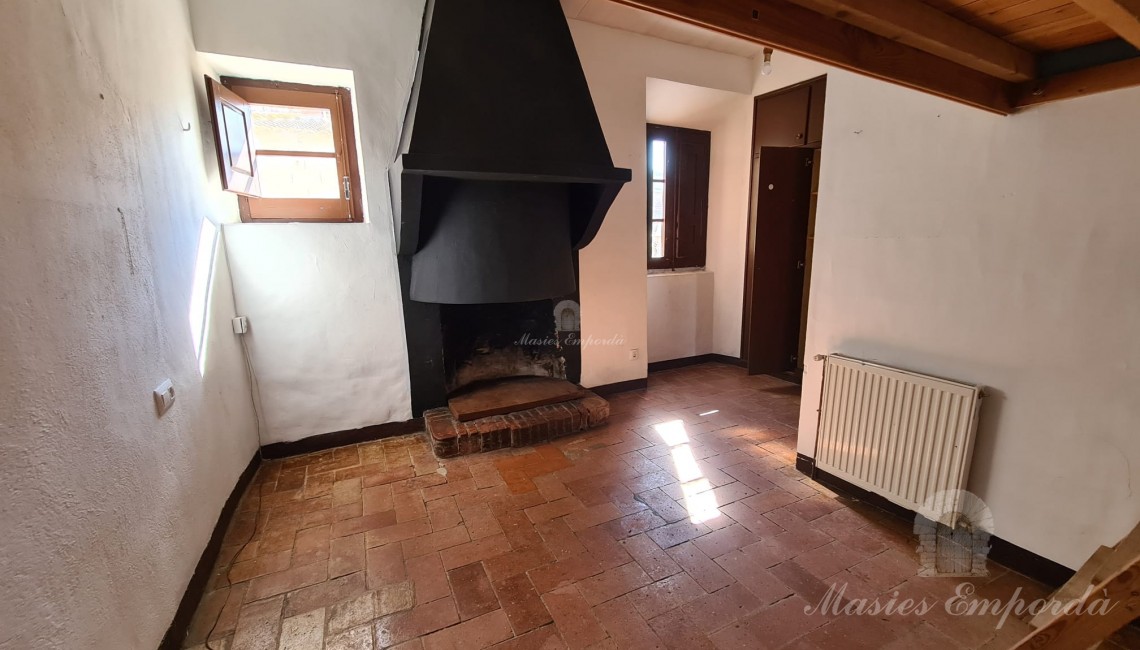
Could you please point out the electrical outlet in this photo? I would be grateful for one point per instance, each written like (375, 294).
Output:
(634, 353)
(164, 397)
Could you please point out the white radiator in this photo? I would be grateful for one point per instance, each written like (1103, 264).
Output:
(899, 434)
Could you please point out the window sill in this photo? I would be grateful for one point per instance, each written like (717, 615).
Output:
(685, 271)
(306, 221)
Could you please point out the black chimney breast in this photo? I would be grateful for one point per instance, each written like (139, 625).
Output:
(495, 242)
(503, 173)
(499, 102)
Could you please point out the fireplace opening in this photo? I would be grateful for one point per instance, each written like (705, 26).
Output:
(483, 343)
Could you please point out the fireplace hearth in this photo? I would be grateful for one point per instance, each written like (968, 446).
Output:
(510, 371)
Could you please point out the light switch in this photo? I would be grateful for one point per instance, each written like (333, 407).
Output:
(164, 397)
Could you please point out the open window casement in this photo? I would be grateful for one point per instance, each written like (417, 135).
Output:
(300, 145)
(233, 139)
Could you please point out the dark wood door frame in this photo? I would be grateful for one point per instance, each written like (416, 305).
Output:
(813, 138)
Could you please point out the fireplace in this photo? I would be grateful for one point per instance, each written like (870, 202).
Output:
(503, 176)
(483, 343)
(508, 374)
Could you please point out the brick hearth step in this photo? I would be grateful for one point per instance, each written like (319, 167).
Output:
(450, 437)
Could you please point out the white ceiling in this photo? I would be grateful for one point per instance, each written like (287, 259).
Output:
(611, 14)
(693, 107)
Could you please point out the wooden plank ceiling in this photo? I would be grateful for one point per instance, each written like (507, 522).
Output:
(998, 55)
(1035, 25)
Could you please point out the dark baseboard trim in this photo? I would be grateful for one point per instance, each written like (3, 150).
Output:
(605, 390)
(729, 361)
(1029, 563)
(671, 364)
(1004, 553)
(180, 625)
(341, 438)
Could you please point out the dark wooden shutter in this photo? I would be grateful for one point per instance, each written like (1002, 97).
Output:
(233, 140)
(691, 150)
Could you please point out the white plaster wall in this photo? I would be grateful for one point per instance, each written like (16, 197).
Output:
(787, 70)
(324, 299)
(326, 329)
(613, 272)
(1000, 251)
(680, 315)
(728, 117)
(728, 221)
(107, 507)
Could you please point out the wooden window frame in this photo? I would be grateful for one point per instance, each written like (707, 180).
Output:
(657, 132)
(672, 222)
(349, 209)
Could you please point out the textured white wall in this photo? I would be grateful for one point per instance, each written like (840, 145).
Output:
(613, 275)
(999, 251)
(680, 314)
(327, 329)
(728, 116)
(106, 507)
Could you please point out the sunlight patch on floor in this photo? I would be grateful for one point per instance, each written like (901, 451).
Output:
(700, 500)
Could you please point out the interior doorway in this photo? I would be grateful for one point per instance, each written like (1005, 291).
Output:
(787, 139)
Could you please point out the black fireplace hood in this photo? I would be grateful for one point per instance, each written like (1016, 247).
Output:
(504, 170)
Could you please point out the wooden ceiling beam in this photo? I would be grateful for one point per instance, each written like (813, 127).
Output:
(1121, 16)
(923, 27)
(786, 26)
(1102, 78)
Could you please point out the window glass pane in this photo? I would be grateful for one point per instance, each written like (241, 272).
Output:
(657, 240)
(293, 128)
(658, 207)
(657, 160)
(298, 177)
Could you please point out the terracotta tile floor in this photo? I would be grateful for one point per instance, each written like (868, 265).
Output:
(682, 524)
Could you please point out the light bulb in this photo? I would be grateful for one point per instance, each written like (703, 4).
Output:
(766, 68)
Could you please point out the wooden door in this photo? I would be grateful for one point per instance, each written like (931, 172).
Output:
(783, 178)
(781, 119)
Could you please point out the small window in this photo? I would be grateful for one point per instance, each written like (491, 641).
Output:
(288, 150)
(678, 173)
